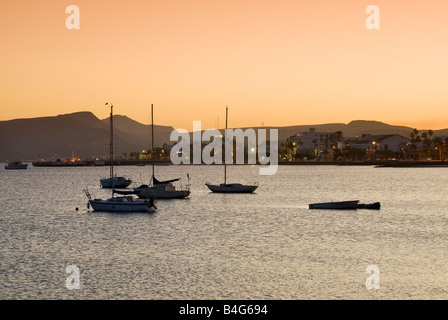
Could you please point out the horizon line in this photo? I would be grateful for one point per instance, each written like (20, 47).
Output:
(393, 123)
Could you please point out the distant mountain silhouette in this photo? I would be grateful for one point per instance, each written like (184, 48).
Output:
(360, 127)
(355, 128)
(135, 131)
(88, 136)
(81, 132)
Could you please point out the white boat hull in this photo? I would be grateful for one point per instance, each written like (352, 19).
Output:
(121, 204)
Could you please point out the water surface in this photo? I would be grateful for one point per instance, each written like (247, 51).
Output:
(266, 245)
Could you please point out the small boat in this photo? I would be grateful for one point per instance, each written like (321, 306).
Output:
(231, 187)
(168, 191)
(16, 165)
(163, 190)
(113, 181)
(375, 205)
(342, 205)
(121, 204)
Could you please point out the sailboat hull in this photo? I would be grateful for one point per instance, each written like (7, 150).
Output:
(232, 188)
(113, 181)
(118, 182)
(121, 204)
(161, 192)
(160, 189)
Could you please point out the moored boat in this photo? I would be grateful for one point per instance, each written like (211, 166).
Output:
(113, 181)
(231, 187)
(164, 191)
(161, 189)
(16, 165)
(375, 205)
(121, 204)
(341, 205)
(125, 203)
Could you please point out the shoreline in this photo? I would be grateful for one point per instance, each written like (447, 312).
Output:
(377, 163)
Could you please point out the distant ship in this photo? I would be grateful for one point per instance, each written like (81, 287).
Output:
(16, 165)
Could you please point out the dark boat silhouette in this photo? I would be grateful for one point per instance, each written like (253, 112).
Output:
(342, 205)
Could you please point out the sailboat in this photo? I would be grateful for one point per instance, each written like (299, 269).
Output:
(230, 187)
(113, 181)
(126, 203)
(161, 189)
(121, 204)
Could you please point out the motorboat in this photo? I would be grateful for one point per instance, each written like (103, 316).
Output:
(16, 165)
(342, 205)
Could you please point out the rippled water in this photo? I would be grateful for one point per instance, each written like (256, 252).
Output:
(266, 245)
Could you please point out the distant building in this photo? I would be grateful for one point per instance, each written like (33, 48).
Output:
(167, 148)
(314, 143)
(387, 142)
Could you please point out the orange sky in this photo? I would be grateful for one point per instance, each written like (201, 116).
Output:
(273, 62)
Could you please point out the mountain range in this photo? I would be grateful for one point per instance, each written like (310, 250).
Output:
(86, 136)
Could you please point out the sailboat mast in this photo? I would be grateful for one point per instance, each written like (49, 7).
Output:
(111, 143)
(112, 148)
(225, 164)
(152, 138)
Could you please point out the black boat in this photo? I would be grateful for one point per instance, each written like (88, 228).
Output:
(375, 205)
(342, 205)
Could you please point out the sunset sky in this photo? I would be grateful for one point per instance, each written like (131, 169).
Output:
(274, 62)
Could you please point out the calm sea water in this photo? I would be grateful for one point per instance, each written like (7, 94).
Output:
(266, 245)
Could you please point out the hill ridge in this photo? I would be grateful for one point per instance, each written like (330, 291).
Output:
(87, 135)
